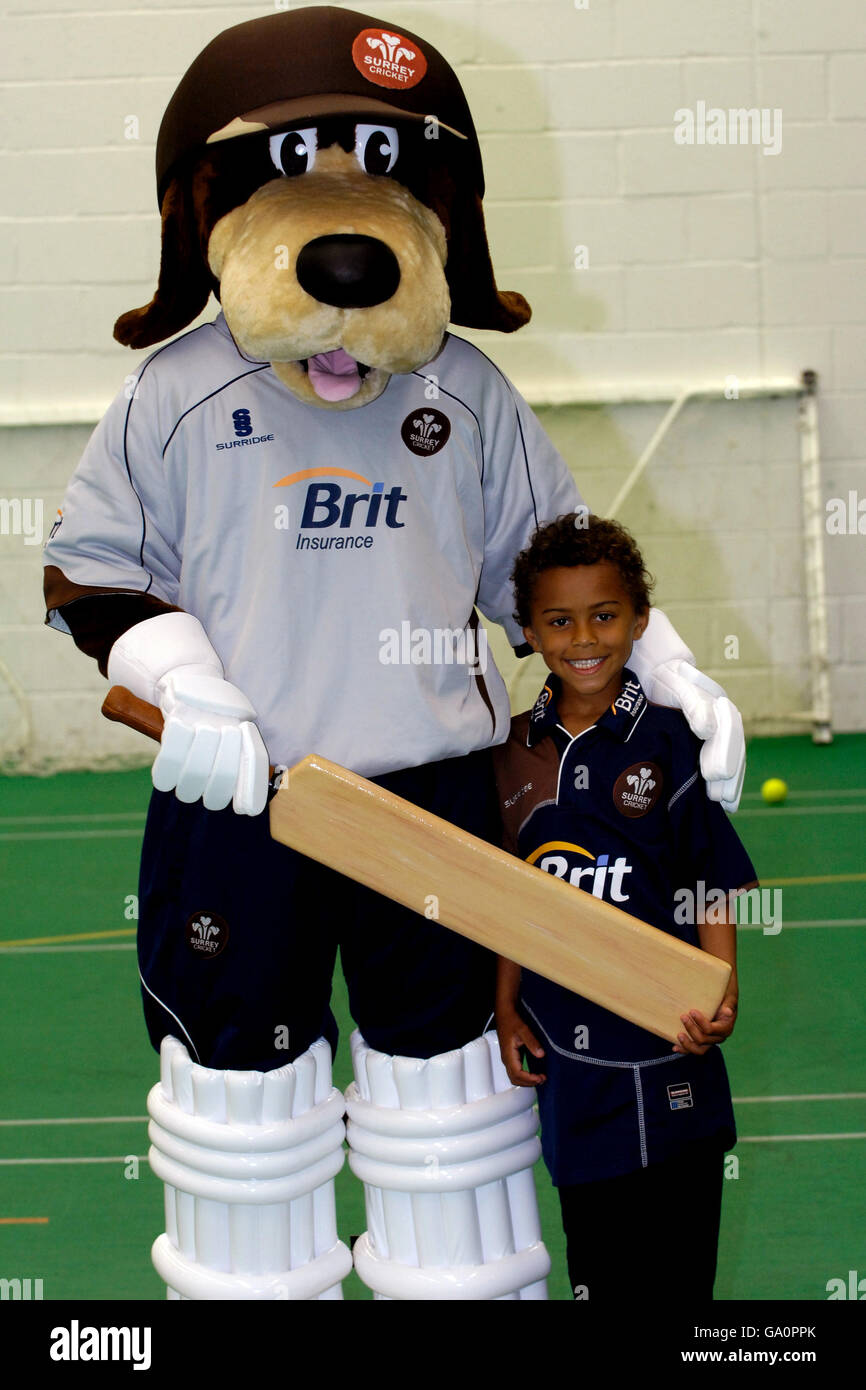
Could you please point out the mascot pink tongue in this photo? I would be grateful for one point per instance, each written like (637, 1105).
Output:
(334, 375)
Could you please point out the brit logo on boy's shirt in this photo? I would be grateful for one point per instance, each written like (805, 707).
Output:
(630, 699)
(541, 704)
(599, 876)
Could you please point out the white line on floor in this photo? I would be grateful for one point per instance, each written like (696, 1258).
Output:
(821, 1095)
(54, 820)
(23, 1162)
(84, 1120)
(77, 834)
(818, 922)
(782, 1138)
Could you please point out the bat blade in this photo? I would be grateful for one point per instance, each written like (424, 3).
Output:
(549, 926)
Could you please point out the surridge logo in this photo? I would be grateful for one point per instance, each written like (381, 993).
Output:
(243, 428)
(243, 424)
(425, 431)
(388, 59)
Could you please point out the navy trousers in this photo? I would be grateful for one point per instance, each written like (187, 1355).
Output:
(238, 936)
(650, 1236)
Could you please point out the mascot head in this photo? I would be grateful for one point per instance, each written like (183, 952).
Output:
(319, 171)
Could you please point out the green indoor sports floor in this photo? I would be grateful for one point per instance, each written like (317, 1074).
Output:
(79, 1207)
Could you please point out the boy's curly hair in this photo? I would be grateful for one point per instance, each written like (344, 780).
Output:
(580, 538)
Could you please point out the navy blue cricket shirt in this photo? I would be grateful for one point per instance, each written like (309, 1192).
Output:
(621, 811)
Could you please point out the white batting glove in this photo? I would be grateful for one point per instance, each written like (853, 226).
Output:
(665, 667)
(713, 717)
(210, 746)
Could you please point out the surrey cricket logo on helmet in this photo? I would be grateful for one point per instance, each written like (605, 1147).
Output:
(388, 59)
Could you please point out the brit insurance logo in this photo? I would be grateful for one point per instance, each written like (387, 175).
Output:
(595, 874)
(540, 706)
(425, 431)
(387, 59)
(338, 516)
(243, 428)
(637, 790)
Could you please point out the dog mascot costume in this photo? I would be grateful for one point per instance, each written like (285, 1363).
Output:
(322, 465)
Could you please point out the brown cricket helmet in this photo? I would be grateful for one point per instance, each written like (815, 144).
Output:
(298, 66)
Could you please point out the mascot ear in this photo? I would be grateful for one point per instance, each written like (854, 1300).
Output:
(185, 282)
(475, 300)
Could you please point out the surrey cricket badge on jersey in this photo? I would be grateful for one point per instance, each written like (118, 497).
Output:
(638, 789)
(425, 431)
(207, 934)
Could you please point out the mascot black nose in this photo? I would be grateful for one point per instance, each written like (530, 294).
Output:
(352, 272)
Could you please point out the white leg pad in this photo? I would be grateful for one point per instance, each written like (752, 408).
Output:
(445, 1149)
(248, 1160)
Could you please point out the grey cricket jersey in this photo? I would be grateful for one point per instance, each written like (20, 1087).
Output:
(317, 547)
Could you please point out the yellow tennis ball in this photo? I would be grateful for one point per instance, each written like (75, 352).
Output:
(774, 791)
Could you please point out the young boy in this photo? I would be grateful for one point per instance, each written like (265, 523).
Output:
(603, 789)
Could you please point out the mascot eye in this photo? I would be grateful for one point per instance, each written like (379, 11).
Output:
(376, 148)
(293, 151)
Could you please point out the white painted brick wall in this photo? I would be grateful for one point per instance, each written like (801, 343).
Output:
(847, 218)
(703, 261)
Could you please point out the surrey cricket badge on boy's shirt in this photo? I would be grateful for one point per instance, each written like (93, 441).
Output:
(638, 789)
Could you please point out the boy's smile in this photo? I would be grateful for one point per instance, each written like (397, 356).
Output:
(584, 624)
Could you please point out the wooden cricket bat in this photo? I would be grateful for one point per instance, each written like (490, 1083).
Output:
(430, 866)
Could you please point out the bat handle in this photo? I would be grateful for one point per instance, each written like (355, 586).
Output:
(121, 706)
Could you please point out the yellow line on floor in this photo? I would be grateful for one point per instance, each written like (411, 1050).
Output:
(78, 936)
(23, 1220)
